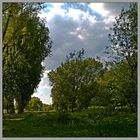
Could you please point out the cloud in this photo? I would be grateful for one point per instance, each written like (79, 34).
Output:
(99, 8)
(44, 95)
(51, 10)
(44, 83)
(115, 8)
(44, 89)
(74, 26)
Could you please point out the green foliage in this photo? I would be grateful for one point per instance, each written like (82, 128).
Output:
(124, 47)
(77, 124)
(124, 37)
(90, 100)
(117, 88)
(118, 126)
(35, 104)
(74, 83)
(26, 43)
(47, 107)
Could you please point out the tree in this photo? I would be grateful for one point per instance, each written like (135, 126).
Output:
(124, 37)
(124, 47)
(46, 107)
(110, 87)
(35, 104)
(26, 43)
(127, 85)
(74, 82)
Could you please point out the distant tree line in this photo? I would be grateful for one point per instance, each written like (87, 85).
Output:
(35, 104)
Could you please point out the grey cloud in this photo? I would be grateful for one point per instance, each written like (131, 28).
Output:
(59, 28)
(116, 7)
(66, 43)
(63, 42)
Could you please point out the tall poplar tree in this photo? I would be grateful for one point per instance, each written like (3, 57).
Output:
(26, 43)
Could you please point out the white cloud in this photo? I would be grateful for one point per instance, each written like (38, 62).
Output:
(44, 95)
(81, 37)
(72, 33)
(106, 14)
(54, 10)
(44, 83)
(80, 33)
(46, 73)
(74, 14)
(80, 16)
(99, 8)
(44, 89)
(109, 20)
(72, 30)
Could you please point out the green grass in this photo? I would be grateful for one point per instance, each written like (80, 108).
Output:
(94, 122)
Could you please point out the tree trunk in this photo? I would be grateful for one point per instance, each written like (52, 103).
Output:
(7, 108)
(20, 109)
(20, 104)
(130, 105)
(11, 107)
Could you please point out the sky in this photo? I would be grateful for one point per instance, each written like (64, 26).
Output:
(74, 26)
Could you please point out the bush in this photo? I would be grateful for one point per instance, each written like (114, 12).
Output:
(63, 117)
(122, 108)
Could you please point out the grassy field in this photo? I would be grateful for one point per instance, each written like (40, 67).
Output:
(94, 122)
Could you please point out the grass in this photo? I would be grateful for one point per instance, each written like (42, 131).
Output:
(94, 122)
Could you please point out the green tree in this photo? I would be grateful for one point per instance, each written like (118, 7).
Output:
(74, 82)
(124, 47)
(124, 37)
(46, 107)
(26, 43)
(35, 104)
(109, 89)
(116, 88)
(126, 84)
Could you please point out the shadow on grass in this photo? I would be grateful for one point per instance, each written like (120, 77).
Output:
(79, 124)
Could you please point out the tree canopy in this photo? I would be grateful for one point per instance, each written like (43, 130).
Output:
(74, 82)
(35, 104)
(79, 82)
(125, 47)
(26, 43)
